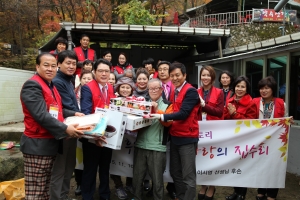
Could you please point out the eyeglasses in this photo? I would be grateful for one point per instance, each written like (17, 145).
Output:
(103, 71)
(154, 89)
(164, 69)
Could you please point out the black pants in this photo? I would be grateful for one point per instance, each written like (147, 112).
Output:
(78, 176)
(94, 157)
(183, 169)
(269, 192)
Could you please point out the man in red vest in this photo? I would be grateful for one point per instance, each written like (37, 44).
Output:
(96, 94)
(184, 132)
(44, 127)
(84, 52)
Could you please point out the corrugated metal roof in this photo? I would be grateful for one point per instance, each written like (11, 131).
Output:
(139, 34)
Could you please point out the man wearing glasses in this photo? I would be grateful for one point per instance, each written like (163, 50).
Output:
(96, 94)
(150, 147)
(164, 76)
(168, 87)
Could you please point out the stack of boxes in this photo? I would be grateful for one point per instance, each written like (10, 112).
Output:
(135, 110)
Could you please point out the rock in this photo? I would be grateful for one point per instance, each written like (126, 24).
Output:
(11, 164)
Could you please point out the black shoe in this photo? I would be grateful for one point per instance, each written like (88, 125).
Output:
(146, 185)
(150, 193)
(261, 198)
(231, 197)
(240, 197)
(202, 196)
(78, 191)
(210, 198)
(172, 195)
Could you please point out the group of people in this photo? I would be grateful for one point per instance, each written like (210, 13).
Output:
(49, 146)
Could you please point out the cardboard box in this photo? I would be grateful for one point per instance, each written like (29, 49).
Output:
(137, 122)
(130, 106)
(115, 128)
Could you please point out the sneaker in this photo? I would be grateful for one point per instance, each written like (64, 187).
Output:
(120, 193)
(129, 189)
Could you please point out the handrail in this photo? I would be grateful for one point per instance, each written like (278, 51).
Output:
(221, 20)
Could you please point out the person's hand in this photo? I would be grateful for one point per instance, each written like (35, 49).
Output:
(231, 108)
(154, 105)
(155, 116)
(202, 102)
(100, 140)
(79, 114)
(291, 120)
(73, 132)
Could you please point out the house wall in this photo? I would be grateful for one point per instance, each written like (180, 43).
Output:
(11, 82)
(293, 165)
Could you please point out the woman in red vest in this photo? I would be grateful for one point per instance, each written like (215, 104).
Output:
(267, 107)
(226, 81)
(240, 106)
(149, 65)
(61, 45)
(122, 64)
(212, 106)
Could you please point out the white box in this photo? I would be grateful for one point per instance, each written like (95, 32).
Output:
(136, 122)
(130, 106)
(116, 121)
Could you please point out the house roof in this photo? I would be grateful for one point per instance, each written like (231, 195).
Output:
(284, 43)
(139, 34)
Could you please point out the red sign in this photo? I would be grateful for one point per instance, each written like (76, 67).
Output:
(261, 15)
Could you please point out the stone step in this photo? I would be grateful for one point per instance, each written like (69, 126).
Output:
(11, 161)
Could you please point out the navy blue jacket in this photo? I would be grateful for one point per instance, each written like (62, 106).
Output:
(65, 88)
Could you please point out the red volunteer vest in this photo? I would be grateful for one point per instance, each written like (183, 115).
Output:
(32, 128)
(97, 98)
(119, 69)
(155, 75)
(80, 54)
(188, 127)
(54, 53)
(81, 57)
(278, 103)
(212, 101)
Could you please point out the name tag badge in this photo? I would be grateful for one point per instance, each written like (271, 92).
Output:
(53, 110)
(204, 116)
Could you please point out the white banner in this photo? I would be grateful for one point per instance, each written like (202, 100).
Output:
(244, 153)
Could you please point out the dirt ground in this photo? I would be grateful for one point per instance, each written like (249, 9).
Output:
(290, 192)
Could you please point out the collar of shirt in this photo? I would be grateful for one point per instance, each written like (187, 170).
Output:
(168, 84)
(101, 86)
(50, 85)
(179, 88)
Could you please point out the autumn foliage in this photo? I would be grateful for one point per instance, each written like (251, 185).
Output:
(25, 22)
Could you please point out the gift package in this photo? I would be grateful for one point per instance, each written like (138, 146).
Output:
(115, 129)
(131, 105)
(92, 125)
(136, 122)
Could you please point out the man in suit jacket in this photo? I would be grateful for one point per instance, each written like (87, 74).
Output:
(96, 94)
(184, 132)
(164, 75)
(65, 163)
(44, 127)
